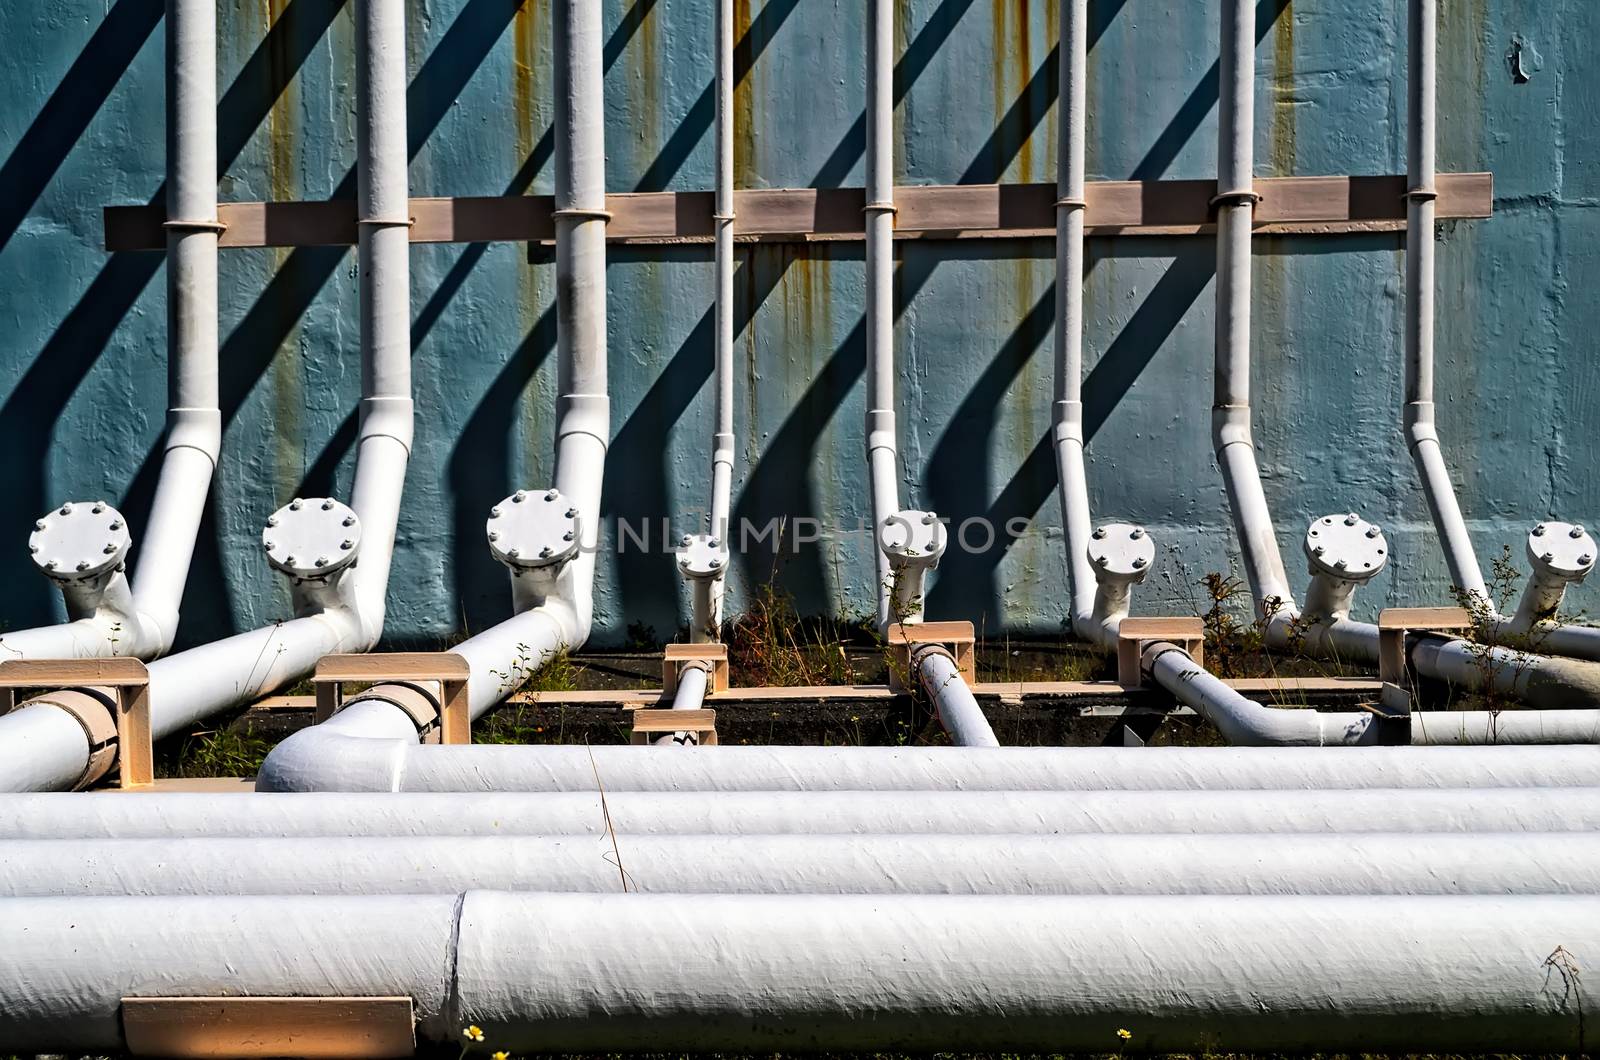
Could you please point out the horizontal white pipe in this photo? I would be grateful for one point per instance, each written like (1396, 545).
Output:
(336, 759)
(1505, 727)
(1394, 864)
(42, 748)
(947, 690)
(571, 972)
(157, 815)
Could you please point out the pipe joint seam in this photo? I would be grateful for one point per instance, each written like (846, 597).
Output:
(189, 226)
(195, 428)
(417, 702)
(581, 213)
(390, 417)
(385, 222)
(1234, 197)
(1230, 425)
(1068, 417)
(724, 218)
(880, 206)
(1419, 423)
(584, 414)
(1071, 204)
(1423, 193)
(92, 709)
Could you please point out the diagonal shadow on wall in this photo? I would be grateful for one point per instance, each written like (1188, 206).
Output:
(66, 115)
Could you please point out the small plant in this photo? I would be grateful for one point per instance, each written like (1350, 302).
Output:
(1498, 655)
(525, 673)
(770, 644)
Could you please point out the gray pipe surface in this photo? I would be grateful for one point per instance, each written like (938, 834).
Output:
(1393, 864)
(158, 815)
(952, 699)
(330, 758)
(572, 972)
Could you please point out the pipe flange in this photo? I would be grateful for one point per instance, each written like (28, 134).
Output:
(80, 541)
(1121, 552)
(702, 556)
(534, 529)
(1564, 551)
(912, 538)
(312, 537)
(1345, 547)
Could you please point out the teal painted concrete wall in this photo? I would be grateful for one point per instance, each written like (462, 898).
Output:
(82, 338)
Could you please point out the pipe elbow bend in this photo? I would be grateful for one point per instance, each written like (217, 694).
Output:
(1419, 423)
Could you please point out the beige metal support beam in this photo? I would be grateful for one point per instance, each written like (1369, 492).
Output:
(325, 1028)
(651, 722)
(1394, 625)
(446, 669)
(1134, 635)
(129, 682)
(1289, 205)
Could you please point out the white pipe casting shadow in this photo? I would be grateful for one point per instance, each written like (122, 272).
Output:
(339, 602)
(941, 681)
(1423, 810)
(584, 972)
(1370, 864)
(82, 546)
(351, 753)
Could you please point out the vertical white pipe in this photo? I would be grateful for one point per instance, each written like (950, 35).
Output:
(1072, 480)
(194, 422)
(722, 442)
(1422, 80)
(882, 457)
(1230, 414)
(383, 220)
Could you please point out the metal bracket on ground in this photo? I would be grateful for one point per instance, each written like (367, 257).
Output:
(955, 637)
(657, 720)
(189, 1028)
(129, 682)
(447, 669)
(1134, 635)
(1394, 625)
(713, 657)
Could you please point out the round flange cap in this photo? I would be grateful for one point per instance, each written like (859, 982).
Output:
(312, 537)
(1121, 550)
(534, 528)
(1346, 547)
(80, 540)
(912, 536)
(702, 556)
(1564, 550)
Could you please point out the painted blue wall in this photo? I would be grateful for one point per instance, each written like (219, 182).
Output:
(82, 336)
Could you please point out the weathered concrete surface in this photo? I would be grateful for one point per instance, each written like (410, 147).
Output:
(82, 347)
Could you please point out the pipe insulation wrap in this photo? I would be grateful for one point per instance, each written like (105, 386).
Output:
(42, 748)
(158, 815)
(1392, 864)
(332, 760)
(568, 972)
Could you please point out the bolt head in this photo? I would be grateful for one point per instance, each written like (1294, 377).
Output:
(116, 524)
(322, 561)
(1319, 550)
(51, 564)
(272, 520)
(1138, 563)
(519, 496)
(1586, 559)
(110, 548)
(716, 542)
(1099, 533)
(39, 524)
(714, 564)
(288, 560)
(1538, 531)
(347, 544)
(296, 504)
(1136, 533)
(327, 504)
(268, 545)
(551, 495)
(83, 564)
(1352, 519)
(494, 535)
(99, 506)
(349, 520)
(1576, 532)
(1548, 556)
(66, 509)
(685, 540)
(514, 553)
(927, 518)
(572, 513)
(1342, 564)
(33, 549)
(494, 513)
(1373, 531)
(567, 536)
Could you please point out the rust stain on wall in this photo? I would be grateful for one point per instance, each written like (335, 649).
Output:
(745, 169)
(1284, 100)
(283, 184)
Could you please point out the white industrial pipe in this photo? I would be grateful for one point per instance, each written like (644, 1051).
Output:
(338, 611)
(107, 617)
(1505, 726)
(1191, 811)
(351, 753)
(549, 539)
(1370, 864)
(689, 695)
(704, 558)
(936, 671)
(585, 972)
(1547, 583)
(1539, 679)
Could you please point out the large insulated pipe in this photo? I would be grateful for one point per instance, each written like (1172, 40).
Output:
(345, 612)
(184, 815)
(760, 864)
(330, 757)
(626, 972)
(107, 617)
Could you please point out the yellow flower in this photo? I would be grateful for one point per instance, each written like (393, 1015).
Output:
(473, 1033)
(1124, 1033)
(501, 1056)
